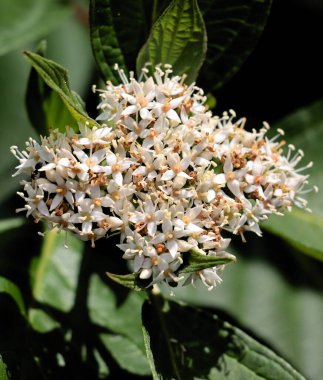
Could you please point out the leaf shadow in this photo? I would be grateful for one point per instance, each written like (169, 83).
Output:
(70, 345)
(184, 343)
(194, 343)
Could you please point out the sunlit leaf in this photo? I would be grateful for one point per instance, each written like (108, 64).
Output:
(178, 38)
(55, 277)
(187, 343)
(104, 309)
(126, 353)
(126, 344)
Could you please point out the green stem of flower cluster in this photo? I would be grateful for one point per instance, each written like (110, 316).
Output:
(158, 302)
(154, 12)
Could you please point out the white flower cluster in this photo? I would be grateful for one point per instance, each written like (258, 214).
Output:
(164, 173)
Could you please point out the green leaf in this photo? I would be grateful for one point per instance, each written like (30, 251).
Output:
(273, 298)
(55, 77)
(132, 29)
(303, 230)
(9, 288)
(196, 260)
(10, 223)
(42, 322)
(3, 370)
(233, 28)
(187, 343)
(300, 229)
(77, 317)
(15, 128)
(126, 345)
(23, 21)
(105, 44)
(178, 38)
(64, 45)
(105, 311)
(56, 273)
(130, 280)
(46, 110)
(127, 354)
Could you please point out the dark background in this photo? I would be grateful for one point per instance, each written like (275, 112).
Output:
(284, 72)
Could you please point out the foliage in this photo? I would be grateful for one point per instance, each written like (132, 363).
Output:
(64, 317)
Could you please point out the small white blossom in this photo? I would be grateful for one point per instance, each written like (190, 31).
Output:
(164, 173)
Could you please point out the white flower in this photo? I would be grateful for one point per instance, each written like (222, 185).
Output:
(177, 171)
(233, 177)
(61, 189)
(35, 205)
(92, 136)
(92, 161)
(147, 216)
(210, 278)
(160, 266)
(116, 166)
(87, 215)
(169, 236)
(164, 173)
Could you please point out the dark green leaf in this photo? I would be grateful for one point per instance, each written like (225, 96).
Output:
(105, 44)
(178, 38)
(45, 108)
(187, 343)
(303, 230)
(55, 77)
(196, 260)
(233, 29)
(9, 288)
(132, 28)
(13, 326)
(23, 21)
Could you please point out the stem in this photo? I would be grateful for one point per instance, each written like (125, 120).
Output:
(154, 14)
(157, 301)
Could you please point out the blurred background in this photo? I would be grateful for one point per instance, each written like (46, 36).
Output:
(273, 290)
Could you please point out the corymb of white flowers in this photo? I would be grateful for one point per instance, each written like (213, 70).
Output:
(162, 171)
